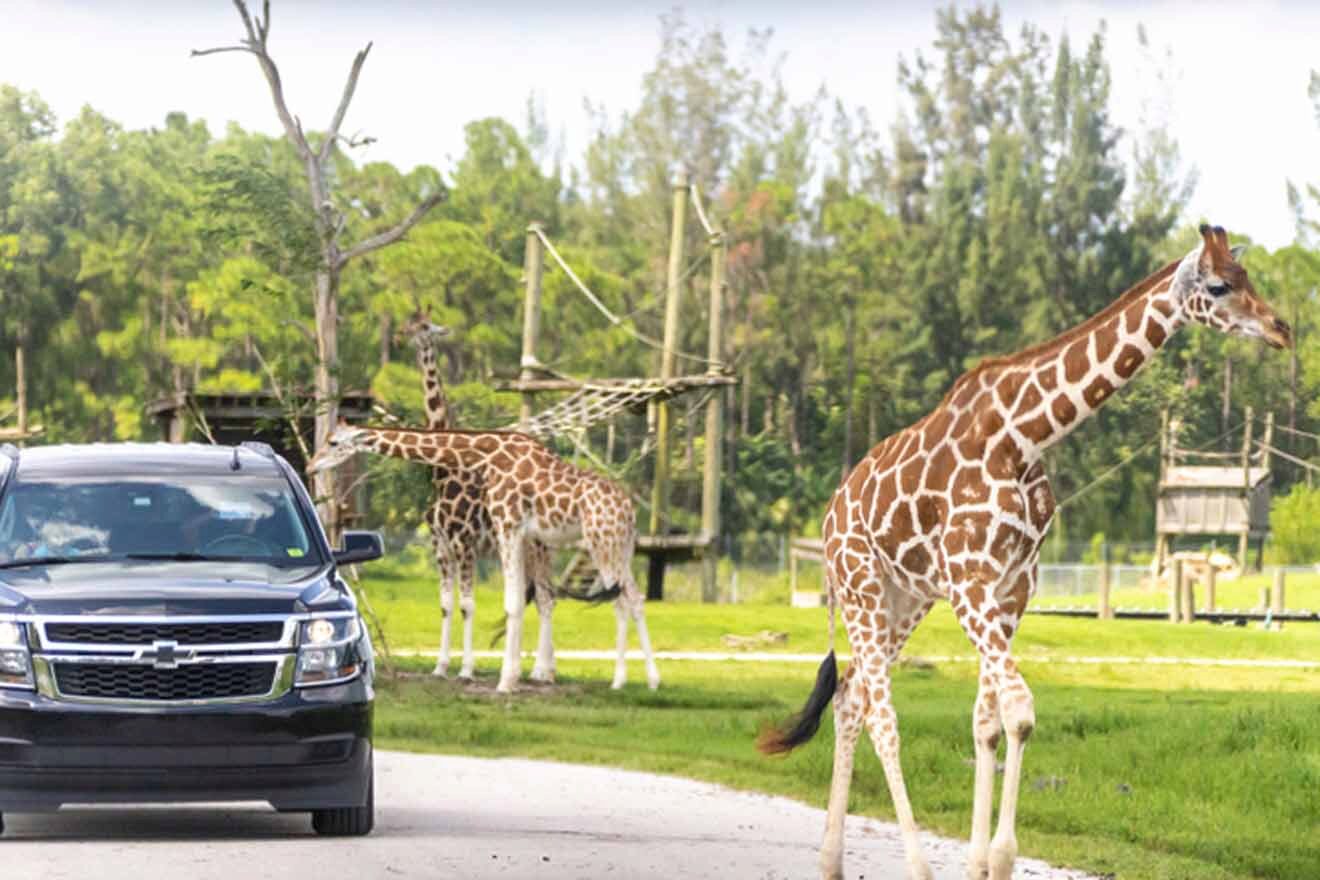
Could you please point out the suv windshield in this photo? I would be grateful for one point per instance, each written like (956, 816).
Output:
(89, 518)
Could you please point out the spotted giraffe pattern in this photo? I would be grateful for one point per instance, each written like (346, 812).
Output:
(528, 493)
(956, 506)
(460, 527)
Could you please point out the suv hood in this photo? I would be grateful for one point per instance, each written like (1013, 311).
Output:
(168, 588)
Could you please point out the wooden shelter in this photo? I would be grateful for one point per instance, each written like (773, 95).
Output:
(230, 418)
(1214, 494)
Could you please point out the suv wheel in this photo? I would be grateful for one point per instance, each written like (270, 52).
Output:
(349, 821)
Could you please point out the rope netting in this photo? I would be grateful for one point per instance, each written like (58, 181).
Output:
(600, 401)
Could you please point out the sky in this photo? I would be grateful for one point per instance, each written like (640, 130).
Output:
(1237, 101)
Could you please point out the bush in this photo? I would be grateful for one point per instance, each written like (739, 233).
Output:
(1295, 535)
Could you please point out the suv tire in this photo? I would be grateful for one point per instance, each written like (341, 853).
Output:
(349, 821)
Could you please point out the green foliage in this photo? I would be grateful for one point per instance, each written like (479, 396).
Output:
(1295, 526)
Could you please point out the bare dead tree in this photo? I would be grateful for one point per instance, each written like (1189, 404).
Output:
(329, 224)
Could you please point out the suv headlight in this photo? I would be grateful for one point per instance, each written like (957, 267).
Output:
(328, 651)
(15, 662)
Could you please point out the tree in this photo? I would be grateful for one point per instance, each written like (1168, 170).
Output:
(328, 220)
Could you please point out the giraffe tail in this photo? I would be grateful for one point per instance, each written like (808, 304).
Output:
(803, 726)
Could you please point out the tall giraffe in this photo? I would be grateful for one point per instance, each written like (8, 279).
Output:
(956, 505)
(460, 528)
(527, 492)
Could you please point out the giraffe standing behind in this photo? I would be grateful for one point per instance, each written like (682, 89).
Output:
(460, 528)
(956, 506)
(527, 492)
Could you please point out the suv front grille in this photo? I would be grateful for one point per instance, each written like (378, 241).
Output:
(233, 633)
(129, 682)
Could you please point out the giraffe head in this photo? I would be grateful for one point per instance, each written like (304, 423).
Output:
(1214, 290)
(421, 330)
(339, 447)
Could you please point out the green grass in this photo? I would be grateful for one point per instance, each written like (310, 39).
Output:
(1302, 592)
(406, 603)
(1150, 783)
(1142, 771)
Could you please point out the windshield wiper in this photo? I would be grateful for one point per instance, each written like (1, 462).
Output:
(181, 556)
(51, 560)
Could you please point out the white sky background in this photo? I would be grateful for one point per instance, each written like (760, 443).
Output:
(1239, 108)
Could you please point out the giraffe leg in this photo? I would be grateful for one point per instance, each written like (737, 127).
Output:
(515, 585)
(991, 631)
(445, 565)
(1018, 714)
(538, 567)
(467, 573)
(621, 643)
(985, 733)
(636, 602)
(882, 724)
(849, 712)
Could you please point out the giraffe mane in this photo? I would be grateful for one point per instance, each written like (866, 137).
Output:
(1072, 334)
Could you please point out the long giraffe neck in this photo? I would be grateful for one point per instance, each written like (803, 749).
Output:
(438, 415)
(1048, 390)
(437, 448)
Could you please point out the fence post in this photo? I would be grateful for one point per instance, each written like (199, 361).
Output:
(1188, 598)
(1175, 589)
(1210, 577)
(1276, 598)
(528, 365)
(1106, 613)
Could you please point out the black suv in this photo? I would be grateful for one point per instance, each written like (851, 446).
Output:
(173, 627)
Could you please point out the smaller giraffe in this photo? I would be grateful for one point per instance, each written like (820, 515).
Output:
(528, 492)
(460, 528)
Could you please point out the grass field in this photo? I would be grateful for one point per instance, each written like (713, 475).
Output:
(1140, 771)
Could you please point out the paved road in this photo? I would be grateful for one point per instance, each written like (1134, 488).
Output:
(474, 818)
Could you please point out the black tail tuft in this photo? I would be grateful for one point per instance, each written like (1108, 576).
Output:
(803, 726)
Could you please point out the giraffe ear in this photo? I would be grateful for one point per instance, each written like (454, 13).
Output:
(1237, 250)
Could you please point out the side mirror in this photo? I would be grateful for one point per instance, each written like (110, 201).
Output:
(360, 547)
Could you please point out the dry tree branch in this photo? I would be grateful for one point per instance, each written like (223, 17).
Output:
(332, 133)
(394, 233)
(290, 415)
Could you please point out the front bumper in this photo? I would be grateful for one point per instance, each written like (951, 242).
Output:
(310, 749)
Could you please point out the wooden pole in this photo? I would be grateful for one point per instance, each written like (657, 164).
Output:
(660, 489)
(1175, 590)
(1244, 537)
(710, 475)
(1210, 577)
(532, 267)
(1276, 597)
(20, 378)
(1106, 612)
(1188, 598)
(1159, 491)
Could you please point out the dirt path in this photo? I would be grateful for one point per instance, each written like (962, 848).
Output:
(452, 817)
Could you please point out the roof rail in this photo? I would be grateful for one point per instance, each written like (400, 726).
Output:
(262, 449)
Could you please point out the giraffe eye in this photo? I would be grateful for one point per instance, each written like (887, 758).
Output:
(1217, 289)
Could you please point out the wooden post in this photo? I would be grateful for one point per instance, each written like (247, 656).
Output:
(1244, 537)
(660, 489)
(20, 379)
(1105, 612)
(710, 474)
(1210, 577)
(532, 265)
(1276, 597)
(1175, 590)
(1188, 599)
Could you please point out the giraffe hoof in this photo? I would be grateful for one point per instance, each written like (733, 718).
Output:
(466, 675)
(653, 682)
(543, 676)
(440, 672)
(617, 684)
